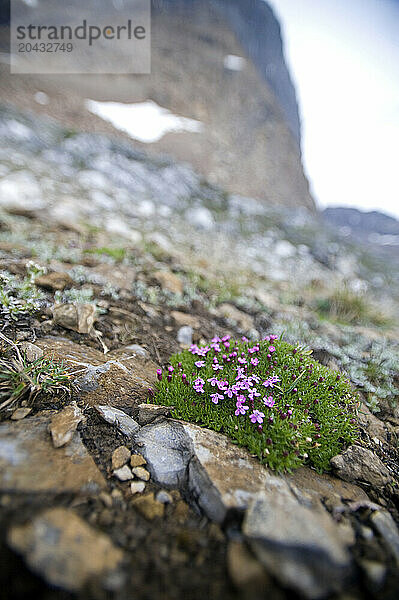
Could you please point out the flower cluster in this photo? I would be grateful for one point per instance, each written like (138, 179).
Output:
(269, 396)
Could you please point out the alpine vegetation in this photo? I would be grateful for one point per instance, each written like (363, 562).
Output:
(269, 396)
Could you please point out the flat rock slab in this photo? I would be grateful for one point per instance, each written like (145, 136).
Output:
(360, 464)
(29, 463)
(119, 379)
(222, 476)
(310, 486)
(300, 546)
(62, 548)
(386, 527)
(286, 522)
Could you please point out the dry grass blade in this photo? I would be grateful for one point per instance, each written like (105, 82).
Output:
(21, 380)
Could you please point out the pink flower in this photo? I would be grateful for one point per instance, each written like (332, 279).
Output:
(216, 397)
(254, 361)
(241, 399)
(200, 363)
(269, 402)
(253, 393)
(241, 410)
(271, 381)
(203, 351)
(253, 349)
(213, 381)
(272, 349)
(257, 416)
(159, 374)
(229, 392)
(217, 367)
(222, 385)
(198, 385)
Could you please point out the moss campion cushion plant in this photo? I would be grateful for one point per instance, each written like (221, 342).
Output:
(269, 396)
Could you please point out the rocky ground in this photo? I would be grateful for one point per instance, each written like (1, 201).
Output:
(105, 496)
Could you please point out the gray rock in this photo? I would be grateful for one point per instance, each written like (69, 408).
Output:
(185, 335)
(200, 217)
(165, 448)
(62, 548)
(221, 476)
(164, 497)
(360, 464)
(385, 526)
(299, 546)
(136, 349)
(115, 416)
(244, 321)
(88, 382)
(32, 352)
(20, 190)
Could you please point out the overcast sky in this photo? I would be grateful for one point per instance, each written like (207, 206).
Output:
(344, 59)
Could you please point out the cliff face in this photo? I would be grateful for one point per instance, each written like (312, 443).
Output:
(220, 62)
(258, 31)
(251, 132)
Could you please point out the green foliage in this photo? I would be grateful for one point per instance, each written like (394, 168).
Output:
(312, 419)
(75, 295)
(372, 366)
(345, 306)
(21, 380)
(219, 288)
(20, 297)
(118, 254)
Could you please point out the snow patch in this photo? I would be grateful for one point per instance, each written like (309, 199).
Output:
(232, 62)
(144, 121)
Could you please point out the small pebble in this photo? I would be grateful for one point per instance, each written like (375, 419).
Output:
(123, 474)
(137, 487)
(141, 473)
(120, 457)
(106, 499)
(164, 497)
(136, 460)
(116, 494)
(20, 413)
